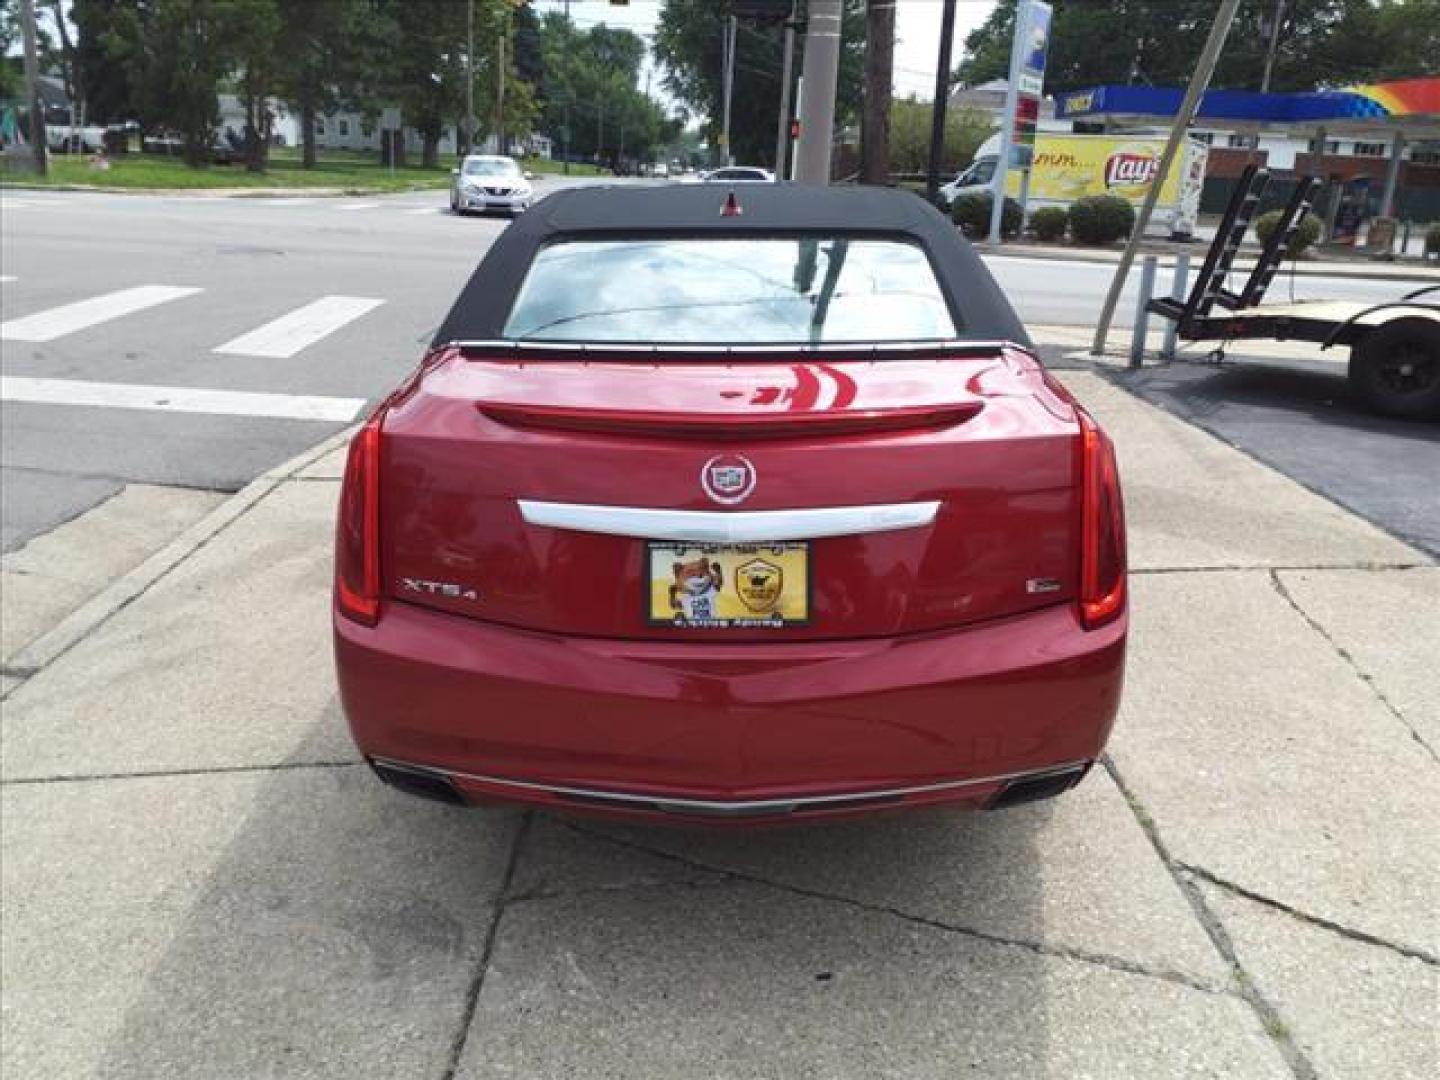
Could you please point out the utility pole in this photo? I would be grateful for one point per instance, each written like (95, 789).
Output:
(600, 134)
(817, 108)
(32, 77)
(942, 101)
(879, 71)
(728, 78)
(500, 146)
(469, 140)
(782, 129)
(1274, 47)
(1204, 68)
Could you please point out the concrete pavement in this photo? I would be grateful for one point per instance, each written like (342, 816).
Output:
(199, 879)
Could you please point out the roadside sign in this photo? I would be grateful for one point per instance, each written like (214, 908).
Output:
(390, 117)
(1028, 50)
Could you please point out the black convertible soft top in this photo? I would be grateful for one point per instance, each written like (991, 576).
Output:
(982, 312)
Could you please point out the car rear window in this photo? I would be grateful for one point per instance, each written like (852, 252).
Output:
(731, 291)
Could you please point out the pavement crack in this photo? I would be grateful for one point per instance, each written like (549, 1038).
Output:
(1236, 568)
(1054, 952)
(1269, 1016)
(1369, 680)
(214, 770)
(477, 981)
(1313, 920)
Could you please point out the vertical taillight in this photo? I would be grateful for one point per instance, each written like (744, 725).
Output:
(1102, 529)
(357, 532)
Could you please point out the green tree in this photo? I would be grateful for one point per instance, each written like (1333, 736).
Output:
(1322, 43)
(328, 55)
(177, 52)
(687, 42)
(910, 120)
(590, 101)
(106, 81)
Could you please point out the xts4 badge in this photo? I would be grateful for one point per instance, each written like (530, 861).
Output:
(448, 589)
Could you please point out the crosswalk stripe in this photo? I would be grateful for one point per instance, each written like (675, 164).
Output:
(178, 399)
(357, 206)
(68, 318)
(282, 338)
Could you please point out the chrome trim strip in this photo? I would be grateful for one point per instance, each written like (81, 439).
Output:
(729, 526)
(739, 805)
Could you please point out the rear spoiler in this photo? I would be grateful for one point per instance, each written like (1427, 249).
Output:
(857, 350)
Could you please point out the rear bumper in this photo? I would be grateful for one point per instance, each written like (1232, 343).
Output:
(747, 732)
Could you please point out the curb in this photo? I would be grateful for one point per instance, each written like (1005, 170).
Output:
(1369, 271)
(220, 193)
(95, 612)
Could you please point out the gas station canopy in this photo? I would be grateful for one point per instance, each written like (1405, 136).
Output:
(1410, 107)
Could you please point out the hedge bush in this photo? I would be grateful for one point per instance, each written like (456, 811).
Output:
(1049, 223)
(972, 214)
(1305, 236)
(1101, 219)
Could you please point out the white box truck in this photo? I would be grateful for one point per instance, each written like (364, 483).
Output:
(1070, 167)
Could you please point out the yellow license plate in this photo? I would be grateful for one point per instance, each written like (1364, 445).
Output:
(728, 586)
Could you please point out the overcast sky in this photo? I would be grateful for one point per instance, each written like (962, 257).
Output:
(917, 33)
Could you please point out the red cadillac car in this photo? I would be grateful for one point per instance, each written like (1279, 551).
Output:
(746, 505)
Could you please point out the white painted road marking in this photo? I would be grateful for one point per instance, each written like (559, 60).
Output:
(284, 337)
(427, 210)
(183, 399)
(68, 318)
(283, 202)
(5, 279)
(358, 206)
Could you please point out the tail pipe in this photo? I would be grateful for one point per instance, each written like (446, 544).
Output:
(1037, 786)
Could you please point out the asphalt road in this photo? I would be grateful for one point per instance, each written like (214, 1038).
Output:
(1300, 418)
(217, 337)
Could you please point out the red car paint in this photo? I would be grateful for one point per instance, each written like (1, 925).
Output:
(939, 663)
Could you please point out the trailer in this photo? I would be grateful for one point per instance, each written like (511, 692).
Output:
(1394, 347)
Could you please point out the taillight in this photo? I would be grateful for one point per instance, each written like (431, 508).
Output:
(1102, 528)
(357, 532)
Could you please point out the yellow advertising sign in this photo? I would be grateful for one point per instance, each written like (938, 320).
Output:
(729, 585)
(1070, 167)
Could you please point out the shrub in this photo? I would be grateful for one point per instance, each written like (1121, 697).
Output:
(1432, 240)
(1101, 219)
(972, 214)
(1049, 223)
(1305, 235)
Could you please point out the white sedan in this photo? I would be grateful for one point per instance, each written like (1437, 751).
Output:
(488, 182)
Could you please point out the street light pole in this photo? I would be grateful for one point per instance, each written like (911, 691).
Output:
(469, 78)
(817, 107)
(728, 75)
(1204, 68)
(942, 101)
(782, 129)
(32, 77)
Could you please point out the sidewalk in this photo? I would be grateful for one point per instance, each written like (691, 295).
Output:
(200, 879)
(1421, 274)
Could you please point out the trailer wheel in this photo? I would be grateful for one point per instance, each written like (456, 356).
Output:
(1395, 369)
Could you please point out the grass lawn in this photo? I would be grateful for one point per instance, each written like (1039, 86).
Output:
(136, 171)
(348, 169)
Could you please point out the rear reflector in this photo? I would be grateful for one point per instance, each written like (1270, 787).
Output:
(1102, 528)
(746, 426)
(357, 529)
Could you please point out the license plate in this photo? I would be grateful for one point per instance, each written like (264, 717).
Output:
(728, 586)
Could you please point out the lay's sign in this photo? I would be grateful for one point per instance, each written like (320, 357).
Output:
(1070, 167)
